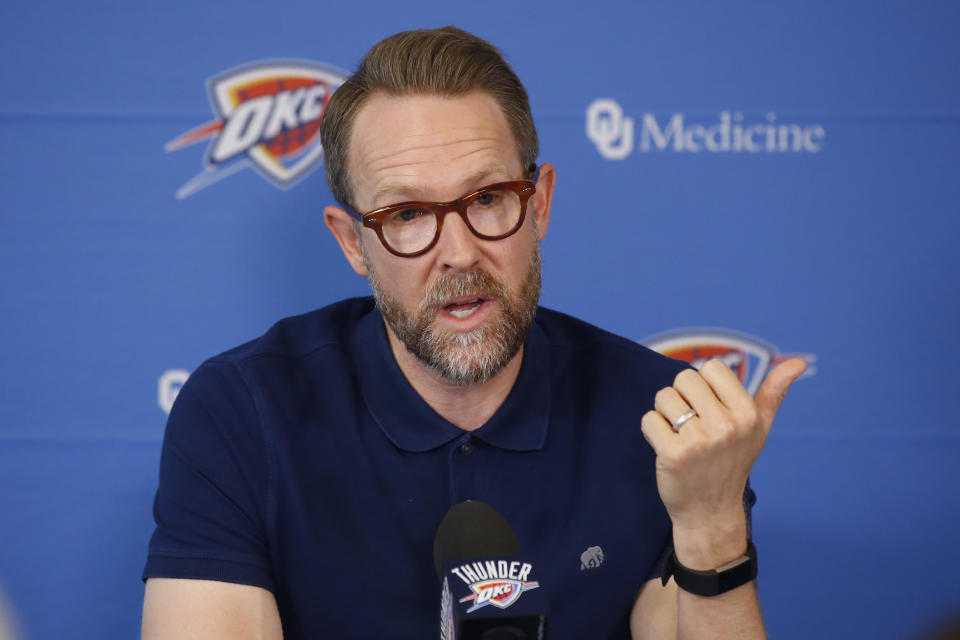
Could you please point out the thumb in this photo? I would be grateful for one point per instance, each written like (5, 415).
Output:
(775, 387)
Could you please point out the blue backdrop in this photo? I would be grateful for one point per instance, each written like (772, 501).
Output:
(787, 172)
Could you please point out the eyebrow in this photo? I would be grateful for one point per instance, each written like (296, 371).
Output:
(470, 183)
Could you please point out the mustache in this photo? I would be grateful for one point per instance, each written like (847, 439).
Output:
(473, 283)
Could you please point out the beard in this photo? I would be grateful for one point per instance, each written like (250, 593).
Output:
(474, 356)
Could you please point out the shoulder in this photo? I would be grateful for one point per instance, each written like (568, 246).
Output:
(295, 353)
(591, 349)
(299, 336)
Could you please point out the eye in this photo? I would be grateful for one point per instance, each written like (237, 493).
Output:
(408, 215)
(486, 199)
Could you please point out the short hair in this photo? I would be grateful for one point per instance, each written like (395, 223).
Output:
(447, 62)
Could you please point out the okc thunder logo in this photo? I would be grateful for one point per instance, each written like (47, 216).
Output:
(499, 593)
(749, 357)
(267, 116)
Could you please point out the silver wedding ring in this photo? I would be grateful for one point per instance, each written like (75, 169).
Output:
(679, 422)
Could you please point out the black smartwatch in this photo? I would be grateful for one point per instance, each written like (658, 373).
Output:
(712, 582)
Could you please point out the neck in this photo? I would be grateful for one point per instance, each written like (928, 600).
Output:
(467, 406)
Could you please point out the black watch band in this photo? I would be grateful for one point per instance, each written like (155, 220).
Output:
(715, 581)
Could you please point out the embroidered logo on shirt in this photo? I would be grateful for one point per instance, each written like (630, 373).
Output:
(591, 558)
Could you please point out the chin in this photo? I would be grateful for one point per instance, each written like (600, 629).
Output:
(471, 357)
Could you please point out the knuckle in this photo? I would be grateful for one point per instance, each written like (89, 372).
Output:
(696, 450)
(725, 424)
(721, 431)
(709, 365)
(662, 395)
(686, 374)
(727, 432)
(714, 365)
(747, 415)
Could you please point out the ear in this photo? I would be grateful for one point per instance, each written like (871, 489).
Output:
(341, 226)
(543, 198)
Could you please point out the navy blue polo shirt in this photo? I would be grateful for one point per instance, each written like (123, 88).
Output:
(303, 462)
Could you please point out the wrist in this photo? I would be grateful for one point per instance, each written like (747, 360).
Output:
(712, 582)
(710, 546)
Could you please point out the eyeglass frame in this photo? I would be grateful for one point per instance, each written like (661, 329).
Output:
(374, 219)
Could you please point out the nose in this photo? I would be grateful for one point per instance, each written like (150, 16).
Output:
(457, 246)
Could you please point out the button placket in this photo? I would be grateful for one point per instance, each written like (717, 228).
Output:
(459, 462)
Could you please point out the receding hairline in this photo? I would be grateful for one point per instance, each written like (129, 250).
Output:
(490, 167)
(446, 61)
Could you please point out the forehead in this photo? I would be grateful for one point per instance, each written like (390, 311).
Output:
(428, 146)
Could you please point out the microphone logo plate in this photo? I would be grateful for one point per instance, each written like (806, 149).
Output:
(498, 583)
(499, 593)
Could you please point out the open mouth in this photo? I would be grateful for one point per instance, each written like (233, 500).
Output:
(462, 308)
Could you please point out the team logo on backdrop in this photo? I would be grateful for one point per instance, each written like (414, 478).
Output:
(749, 357)
(168, 387)
(494, 582)
(615, 136)
(266, 116)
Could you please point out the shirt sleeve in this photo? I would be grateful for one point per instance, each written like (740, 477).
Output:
(212, 501)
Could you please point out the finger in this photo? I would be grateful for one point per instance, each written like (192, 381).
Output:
(670, 404)
(726, 385)
(775, 388)
(698, 394)
(658, 432)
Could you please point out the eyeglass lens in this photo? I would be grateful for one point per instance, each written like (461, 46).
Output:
(491, 214)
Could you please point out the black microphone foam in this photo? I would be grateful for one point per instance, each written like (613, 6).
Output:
(483, 575)
(473, 529)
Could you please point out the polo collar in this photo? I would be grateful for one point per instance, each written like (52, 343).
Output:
(520, 424)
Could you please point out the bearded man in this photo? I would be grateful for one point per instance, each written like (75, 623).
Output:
(304, 474)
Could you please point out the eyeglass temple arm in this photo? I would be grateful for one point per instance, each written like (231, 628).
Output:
(359, 216)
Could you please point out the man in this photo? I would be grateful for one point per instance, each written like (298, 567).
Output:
(304, 474)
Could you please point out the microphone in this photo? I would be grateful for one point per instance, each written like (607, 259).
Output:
(488, 592)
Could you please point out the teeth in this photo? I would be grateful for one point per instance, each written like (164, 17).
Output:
(464, 312)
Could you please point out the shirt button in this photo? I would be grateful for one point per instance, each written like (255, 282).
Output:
(466, 448)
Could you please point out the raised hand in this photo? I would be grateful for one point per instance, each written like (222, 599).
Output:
(703, 464)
